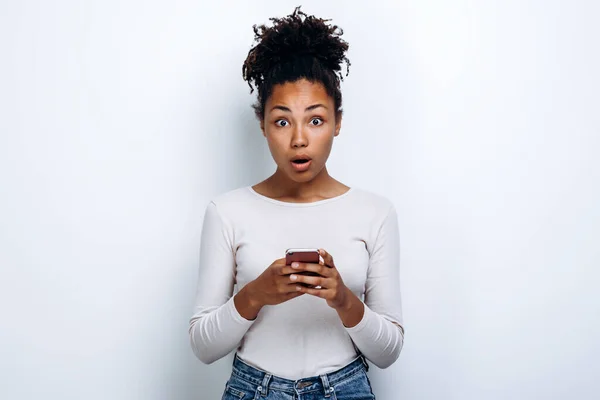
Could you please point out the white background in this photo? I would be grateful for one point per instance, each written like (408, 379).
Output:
(120, 120)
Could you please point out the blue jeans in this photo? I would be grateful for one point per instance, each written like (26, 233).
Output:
(348, 383)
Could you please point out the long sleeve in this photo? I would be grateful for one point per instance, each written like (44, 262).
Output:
(216, 327)
(380, 333)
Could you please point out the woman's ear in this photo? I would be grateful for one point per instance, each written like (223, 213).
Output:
(338, 124)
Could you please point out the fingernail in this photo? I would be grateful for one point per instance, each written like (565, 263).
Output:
(295, 265)
(293, 277)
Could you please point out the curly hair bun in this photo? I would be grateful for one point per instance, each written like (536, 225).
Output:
(291, 39)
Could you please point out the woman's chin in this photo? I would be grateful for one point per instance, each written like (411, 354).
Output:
(300, 178)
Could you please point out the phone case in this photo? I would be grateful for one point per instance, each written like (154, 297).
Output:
(302, 255)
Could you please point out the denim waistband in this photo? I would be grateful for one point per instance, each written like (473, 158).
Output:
(265, 380)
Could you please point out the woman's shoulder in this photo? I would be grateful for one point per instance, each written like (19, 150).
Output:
(229, 204)
(370, 199)
(230, 195)
(231, 198)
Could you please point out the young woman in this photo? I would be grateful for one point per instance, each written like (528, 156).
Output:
(298, 336)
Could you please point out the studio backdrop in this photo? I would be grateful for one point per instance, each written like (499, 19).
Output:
(120, 120)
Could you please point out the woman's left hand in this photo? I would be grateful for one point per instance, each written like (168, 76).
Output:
(332, 286)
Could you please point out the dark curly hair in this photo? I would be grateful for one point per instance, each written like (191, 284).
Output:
(295, 48)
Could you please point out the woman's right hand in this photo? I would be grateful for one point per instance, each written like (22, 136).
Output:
(271, 287)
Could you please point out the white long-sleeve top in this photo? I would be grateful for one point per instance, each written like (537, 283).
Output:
(244, 232)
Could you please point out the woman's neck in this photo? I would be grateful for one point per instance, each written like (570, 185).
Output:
(279, 186)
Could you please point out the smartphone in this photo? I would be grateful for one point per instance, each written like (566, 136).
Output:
(302, 255)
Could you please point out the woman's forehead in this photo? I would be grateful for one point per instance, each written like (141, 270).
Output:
(298, 94)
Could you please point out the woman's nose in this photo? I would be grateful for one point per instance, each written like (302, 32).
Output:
(299, 138)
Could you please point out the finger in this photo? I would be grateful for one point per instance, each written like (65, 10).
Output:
(315, 292)
(327, 258)
(293, 294)
(288, 288)
(309, 280)
(287, 269)
(317, 282)
(311, 267)
(292, 285)
(303, 267)
(283, 268)
(279, 264)
(282, 262)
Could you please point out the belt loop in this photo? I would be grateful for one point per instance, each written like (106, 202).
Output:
(264, 387)
(364, 361)
(326, 388)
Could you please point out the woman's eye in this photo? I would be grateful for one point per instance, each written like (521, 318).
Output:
(320, 121)
(281, 122)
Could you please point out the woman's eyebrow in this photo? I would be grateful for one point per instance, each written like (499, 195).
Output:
(309, 108)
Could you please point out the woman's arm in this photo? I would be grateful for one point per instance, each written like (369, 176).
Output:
(380, 335)
(216, 327)
(375, 326)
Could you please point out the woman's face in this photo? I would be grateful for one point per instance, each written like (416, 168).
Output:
(300, 121)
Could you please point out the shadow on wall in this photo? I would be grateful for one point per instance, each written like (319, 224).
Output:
(240, 157)
(242, 153)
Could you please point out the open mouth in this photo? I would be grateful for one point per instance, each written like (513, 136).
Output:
(301, 164)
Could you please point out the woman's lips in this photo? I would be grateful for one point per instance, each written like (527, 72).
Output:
(301, 167)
